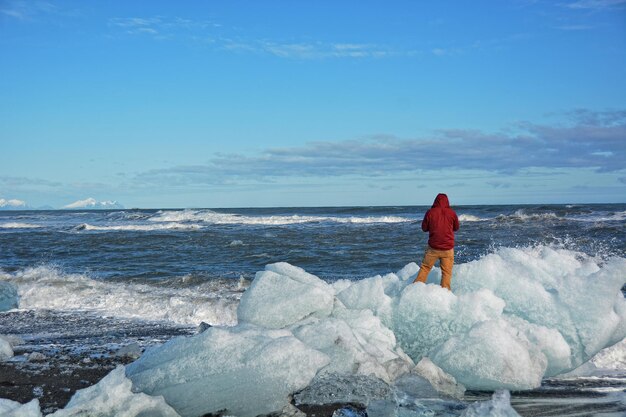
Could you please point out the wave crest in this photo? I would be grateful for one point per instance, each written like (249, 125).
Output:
(212, 217)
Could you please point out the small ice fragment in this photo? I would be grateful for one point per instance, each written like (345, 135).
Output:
(342, 389)
(132, 350)
(441, 381)
(498, 406)
(38, 391)
(349, 411)
(202, 327)
(8, 296)
(10, 408)
(6, 350)
(36, 357)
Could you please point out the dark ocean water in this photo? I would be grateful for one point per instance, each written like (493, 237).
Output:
(333, 242)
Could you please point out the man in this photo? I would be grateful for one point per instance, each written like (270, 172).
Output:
(440, 221)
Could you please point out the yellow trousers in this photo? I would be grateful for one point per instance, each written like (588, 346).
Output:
(446, 262)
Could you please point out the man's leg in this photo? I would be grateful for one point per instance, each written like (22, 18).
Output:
(446, 264)
(427, 264)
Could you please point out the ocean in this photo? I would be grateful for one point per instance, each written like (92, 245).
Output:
(92, 281)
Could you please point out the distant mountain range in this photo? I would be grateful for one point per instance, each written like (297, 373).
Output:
(86, 204)
(13, 205)
(93, 204)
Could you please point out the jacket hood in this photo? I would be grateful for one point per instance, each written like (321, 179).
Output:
(441, 201)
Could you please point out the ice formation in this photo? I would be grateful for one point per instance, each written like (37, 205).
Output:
(498, 406)
(515, 317)
(8, 296)
(112, 397)
(6, 348)
(10, 408)
(242, 371)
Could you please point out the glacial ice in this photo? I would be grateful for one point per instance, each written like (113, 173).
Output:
(498, 406)
(243, 370)
(515, 317)
(6, 350)
(282, 295)
(112, 397)
(10, 408)
(8, 296)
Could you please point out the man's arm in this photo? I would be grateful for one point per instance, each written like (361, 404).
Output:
(425, 222)
(455, 224)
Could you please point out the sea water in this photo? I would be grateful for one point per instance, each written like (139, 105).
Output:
(145, 276)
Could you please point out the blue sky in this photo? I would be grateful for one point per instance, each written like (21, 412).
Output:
(312, 103)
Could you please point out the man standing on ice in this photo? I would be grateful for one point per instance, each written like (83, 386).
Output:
(440, 221)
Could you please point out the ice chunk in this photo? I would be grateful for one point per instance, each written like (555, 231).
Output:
(112, 397)
(132, 350)
(555, 288)
(611, 360)
(356, 343)
(409, 272)
(6, 350)
(498, 406)
(282, 295)
(549, 341)
(10, 408)
(242, 371)
(342, 389)
(368, 294)
(440, 381)
(515, 316)
(490, 356)
(428, 315)
(8, 296)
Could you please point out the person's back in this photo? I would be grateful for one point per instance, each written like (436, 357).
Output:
(440, 221)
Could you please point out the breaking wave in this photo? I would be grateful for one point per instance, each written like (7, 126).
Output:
(19, 226)
(140, 227)
(47, 287)
(523, 216)
(212, 217)
(470, 218)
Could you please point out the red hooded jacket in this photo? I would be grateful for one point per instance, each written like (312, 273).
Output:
(440, 221)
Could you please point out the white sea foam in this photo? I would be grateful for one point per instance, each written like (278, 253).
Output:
(600, 217)
(139, 227)
(523, 216)
(16, 225)
(46, 287)
(470, 218)
(212, 217)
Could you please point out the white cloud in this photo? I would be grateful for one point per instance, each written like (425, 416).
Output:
(592, 140)
(596, 4)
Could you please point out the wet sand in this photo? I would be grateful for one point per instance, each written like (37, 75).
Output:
(51, 382)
